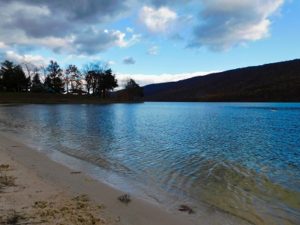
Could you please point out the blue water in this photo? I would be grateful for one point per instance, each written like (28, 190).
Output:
(242, 159)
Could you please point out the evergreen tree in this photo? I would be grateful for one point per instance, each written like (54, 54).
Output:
(13, 77)
(36, 79)
(37, 85)
(54, 78)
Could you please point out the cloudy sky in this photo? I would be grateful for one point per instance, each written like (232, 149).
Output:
(151, 40)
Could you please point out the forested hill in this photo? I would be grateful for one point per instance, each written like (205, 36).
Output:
(270, 82)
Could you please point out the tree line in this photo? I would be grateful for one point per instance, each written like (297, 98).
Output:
(93, 79)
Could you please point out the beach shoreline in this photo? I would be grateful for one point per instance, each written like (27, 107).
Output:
(46, 178)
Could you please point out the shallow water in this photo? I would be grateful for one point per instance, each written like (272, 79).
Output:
(240, 159)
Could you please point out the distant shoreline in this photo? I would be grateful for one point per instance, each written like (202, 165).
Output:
(47, 98)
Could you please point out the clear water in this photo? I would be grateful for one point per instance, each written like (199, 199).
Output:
(238, 159)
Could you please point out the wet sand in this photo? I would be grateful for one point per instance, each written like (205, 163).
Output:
(36, 190)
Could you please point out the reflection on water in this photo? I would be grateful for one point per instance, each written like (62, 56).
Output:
(241, 159)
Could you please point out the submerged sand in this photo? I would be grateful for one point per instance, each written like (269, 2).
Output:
(36, 190)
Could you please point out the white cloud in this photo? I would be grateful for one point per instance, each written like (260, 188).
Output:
(3, 45)
(55, 24)
(35, 60)
(144, 79)
(122, 42)
(111, 63)
(226, 23)
(93, 40)
(54, 43)
(157, 20)
(69, 25)
(153, 50)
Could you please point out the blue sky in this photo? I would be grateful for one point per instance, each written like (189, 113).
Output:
(151, 40)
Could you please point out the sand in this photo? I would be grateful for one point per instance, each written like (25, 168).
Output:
(36, 190)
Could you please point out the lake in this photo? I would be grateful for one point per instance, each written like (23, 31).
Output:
(237, 160)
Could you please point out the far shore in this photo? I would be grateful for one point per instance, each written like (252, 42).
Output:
(48, 98)
(39, 190)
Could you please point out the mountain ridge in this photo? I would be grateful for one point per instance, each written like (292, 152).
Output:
(278, 81)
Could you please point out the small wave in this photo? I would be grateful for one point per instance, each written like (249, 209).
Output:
(96, 160)
(245, 194)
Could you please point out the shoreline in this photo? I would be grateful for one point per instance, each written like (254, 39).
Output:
(39, 168)
(7, 98)
(46, 98)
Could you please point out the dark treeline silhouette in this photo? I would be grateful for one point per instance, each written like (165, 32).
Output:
(132, 91)
(99, 79)
(95, 79)
(270, 82)
(13, 78)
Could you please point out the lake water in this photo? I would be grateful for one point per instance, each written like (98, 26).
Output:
(237, 160)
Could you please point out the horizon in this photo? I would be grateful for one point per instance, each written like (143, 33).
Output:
(144, 40)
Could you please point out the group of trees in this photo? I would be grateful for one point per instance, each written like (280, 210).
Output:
(13, 78)
(133, 90)
(94, 79)
(99, 80)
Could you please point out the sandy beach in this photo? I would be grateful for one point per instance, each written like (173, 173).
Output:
(36, 190)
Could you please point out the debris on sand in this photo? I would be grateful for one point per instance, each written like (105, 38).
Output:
(6, 181)
(4, 167)
(185, 208)
(78, 210)
(11, 217)
(76, 172)
(124, 198)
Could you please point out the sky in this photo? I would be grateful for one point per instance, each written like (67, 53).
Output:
(151, 40)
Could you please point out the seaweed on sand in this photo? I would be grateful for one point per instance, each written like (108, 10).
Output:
(11, 218)
(6, 181)
(125, 198)
(185, 208)
(4, 167)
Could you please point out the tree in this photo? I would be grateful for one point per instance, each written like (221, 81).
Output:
(89, 82)
(108, 82)
(99, 79)
(73, 77)
(133, 90)
(36, 84)
(13, 77)
(22, 83)
(6, 71)
(91, 72)
(54, 78)
(36, 79)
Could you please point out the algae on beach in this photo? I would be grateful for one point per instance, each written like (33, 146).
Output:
(5, 179)
(53, 210)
